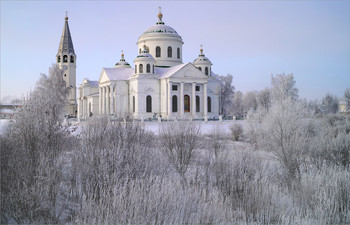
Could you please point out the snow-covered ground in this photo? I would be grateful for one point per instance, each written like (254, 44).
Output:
(3, 124)
(206, 127)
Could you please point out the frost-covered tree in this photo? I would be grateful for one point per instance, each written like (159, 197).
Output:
(30, 168)
(347, 98)
(179, 141)
(227, 91)
(329, 104)
(249, 101)
(238, 104)
(283, 87)
(264, 99)
(284, 133)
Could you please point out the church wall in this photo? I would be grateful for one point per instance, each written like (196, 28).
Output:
(164, 60)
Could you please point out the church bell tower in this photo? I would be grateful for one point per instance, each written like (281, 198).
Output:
(66, 60)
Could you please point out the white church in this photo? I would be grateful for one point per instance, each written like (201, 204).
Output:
(160, 85)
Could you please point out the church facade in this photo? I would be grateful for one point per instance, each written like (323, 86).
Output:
(160, 84)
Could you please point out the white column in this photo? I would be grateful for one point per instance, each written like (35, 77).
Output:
(108, 100)
(205, 99)
(193, 99)
(113, 100)
(99, 100)
(84, 108)
(116, 101)
(103, 100)
(181, 98)
(169, 98)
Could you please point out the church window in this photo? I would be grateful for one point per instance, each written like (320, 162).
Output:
(174, 87)
(178, 53)
(174, 103)
(206, 71)
(133, 103)
(65, 75)
(148, 68)
(187, 103)
(148, 103)
(153, 68)
(65, 58)
(72, 59)
(200, 68)
(157, 51)
(170, 52)
(197, 88)
(59, 59)
(140, 51)
(209, 104)
(140, 68)
(197, 103)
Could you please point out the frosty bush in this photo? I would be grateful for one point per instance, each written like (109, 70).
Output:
(236, 131)
(179, 141)
(31, 174)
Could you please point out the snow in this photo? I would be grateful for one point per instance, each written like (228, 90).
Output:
(206, 127)
(3, 124)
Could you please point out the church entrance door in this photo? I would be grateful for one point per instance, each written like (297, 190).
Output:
(187, 103)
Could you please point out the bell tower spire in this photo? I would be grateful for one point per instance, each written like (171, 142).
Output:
(66, 60)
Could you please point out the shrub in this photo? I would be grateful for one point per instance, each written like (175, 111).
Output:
(236, 131)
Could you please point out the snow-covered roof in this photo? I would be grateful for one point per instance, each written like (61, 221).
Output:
(118, 73)
(93, 83)
(167, 72)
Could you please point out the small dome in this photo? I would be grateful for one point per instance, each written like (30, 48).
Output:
(122, 63)
(144, 55)
(201, 59)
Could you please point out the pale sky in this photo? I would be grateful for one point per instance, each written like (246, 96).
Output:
(249, 39)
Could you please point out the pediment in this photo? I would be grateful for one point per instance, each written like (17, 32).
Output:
(189, 71)
(103, 77)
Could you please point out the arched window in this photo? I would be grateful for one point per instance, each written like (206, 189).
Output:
(187, 103)
(133, 103)
(200, 68)
(65, 58)
(174, 103)
(148, 68)
(157, 51)
(209, 104)
(197, 104)
(140, 68)
(148, 103)
(72, 59)
(59, 59)
(206, 71)
(170, 52)
(178, 53)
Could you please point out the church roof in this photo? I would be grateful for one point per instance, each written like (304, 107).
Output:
(66, 43)
(118, 73)
(167, 72)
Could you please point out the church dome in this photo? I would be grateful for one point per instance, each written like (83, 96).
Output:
(160, 29)
(163, 43)
(122, 63)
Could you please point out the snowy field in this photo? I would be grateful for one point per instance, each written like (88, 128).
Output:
(206, 127)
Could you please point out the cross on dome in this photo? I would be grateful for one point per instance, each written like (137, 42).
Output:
(66, 15)
(160, 15)
(122, 54)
